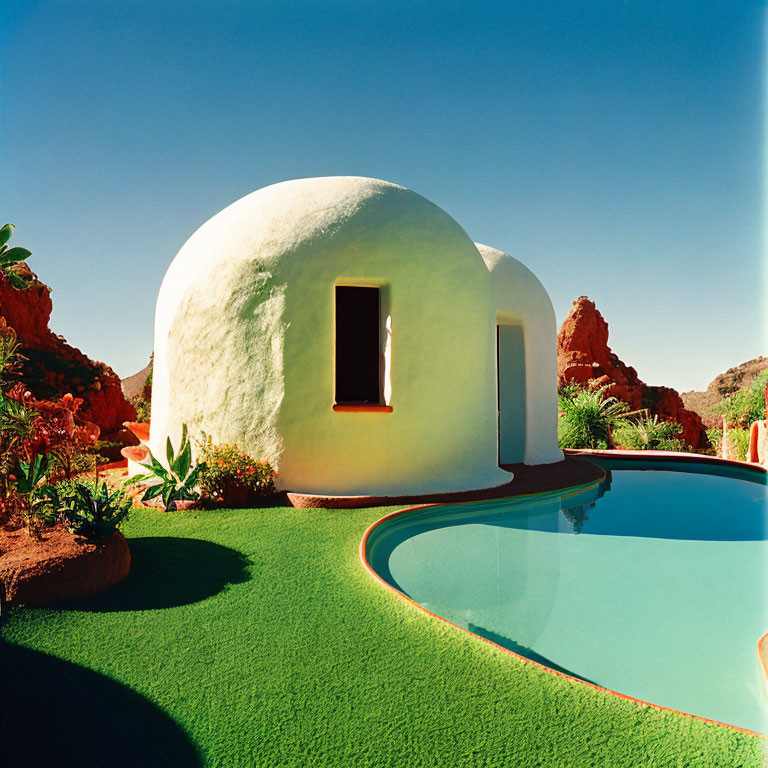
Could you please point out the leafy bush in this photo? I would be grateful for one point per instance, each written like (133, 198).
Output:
(89, 509)
(10, 258)
(230, 475)
(738, 443)
(570, 390)
(38, 438)
(30, 486)
(715, 437)
(746, 405)
(78, 462)
(17, 424)
(588, 417)
(177, 483)
(649, 435)
(18, 427)
(143, 408)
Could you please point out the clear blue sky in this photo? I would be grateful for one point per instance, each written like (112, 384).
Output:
(616, 148)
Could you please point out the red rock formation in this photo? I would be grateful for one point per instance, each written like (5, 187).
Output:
(53, 368)
(583, 356)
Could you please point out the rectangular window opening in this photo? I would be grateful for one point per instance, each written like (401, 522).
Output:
(358, 345)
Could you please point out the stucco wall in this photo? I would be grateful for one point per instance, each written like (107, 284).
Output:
(244, 339)
(521, 299)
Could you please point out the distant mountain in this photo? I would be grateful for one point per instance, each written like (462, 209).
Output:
(734, 379)
(133, 386)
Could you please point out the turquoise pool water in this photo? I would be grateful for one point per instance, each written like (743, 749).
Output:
(653, 584)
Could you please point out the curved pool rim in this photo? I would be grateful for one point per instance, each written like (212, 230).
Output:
(727, 468)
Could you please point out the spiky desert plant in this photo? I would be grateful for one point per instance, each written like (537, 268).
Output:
(588, 417)
(651, 434)
(175, 483)
(92, 510)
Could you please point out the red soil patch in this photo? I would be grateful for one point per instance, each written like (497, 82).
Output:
(60, 567)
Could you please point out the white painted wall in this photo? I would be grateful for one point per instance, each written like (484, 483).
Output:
(521, 299)
(244, 340)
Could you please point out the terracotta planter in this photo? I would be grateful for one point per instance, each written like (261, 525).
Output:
(238, 496)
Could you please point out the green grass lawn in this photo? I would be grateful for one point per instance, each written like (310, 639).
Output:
(255, 638)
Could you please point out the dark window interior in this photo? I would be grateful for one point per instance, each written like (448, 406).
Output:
(357, 345)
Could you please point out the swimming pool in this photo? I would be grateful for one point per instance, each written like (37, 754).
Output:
(652, 584)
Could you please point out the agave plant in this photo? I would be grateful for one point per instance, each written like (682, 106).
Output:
(175, 483)
(588, 417)
(649, 435)
(91, 510)
(10, 257)
(32, 491)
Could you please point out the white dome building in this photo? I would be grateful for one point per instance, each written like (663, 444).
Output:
(345, 329)
(526, 361)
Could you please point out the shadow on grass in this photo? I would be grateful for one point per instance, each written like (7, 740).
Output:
(58, 714)
(522, 650)
(167, 572)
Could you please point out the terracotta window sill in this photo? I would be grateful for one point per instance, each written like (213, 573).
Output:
(364, 408)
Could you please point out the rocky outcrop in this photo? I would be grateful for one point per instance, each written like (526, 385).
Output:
(583, 356)
(53, 368)
(734, 379)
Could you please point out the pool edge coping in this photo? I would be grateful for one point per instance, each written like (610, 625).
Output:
(665, 457)
(626, 697)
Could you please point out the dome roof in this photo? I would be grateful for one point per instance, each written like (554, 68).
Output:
(281, 220)
(516, 289)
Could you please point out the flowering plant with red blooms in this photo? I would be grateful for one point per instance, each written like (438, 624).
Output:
(230, 476)
(54, 427)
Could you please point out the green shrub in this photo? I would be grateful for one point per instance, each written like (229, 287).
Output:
(588, 417)
(746, 405)
(230, 475)
(570, 390)
(31, 488)
(79, 461)
(89, 509)
(143, 408)
(715, 437)
(106, 450)
(11, 258)
(649, 435)
(738, 441)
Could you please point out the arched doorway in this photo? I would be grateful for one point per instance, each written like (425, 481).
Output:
(510, 369)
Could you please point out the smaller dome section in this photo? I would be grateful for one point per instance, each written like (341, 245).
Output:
(522, 302)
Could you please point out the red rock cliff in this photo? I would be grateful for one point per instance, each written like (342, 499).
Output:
(53, 368)
(583, 355)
